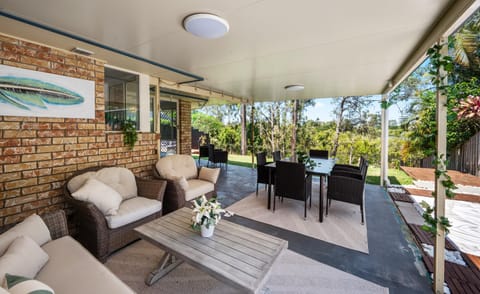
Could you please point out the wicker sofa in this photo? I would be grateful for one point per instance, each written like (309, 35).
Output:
(101, 234)
(67, 268)
(185, 181)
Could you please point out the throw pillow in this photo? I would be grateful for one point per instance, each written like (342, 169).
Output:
(24, 285)
(182, 182)
(77, 182)
(33, 227)
(23, 257)
(209, 174)
(104, 197)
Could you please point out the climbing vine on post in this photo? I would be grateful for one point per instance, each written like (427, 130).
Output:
(440, 67)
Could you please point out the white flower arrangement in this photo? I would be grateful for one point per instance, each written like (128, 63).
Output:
(207, 212)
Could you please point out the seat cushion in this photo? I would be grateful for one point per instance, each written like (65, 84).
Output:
(72, 269)
(132, 210)
(198, 188)
(174, 166)
(119, 178)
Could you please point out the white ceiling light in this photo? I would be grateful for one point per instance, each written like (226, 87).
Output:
(293, 88)
(206, 25)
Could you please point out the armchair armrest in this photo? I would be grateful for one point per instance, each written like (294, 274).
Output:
(153, 189)
(56, 222)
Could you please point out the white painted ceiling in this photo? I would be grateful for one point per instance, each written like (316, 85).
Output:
(334, 48)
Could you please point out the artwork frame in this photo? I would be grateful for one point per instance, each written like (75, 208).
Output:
(25, 92)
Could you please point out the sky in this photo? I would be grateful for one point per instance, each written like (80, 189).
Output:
(323, 109)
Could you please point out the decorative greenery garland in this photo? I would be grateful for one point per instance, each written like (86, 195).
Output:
(440, 67)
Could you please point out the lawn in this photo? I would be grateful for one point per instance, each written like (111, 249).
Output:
(396, 176)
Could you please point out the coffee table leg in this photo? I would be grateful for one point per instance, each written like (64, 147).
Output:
(167, 264)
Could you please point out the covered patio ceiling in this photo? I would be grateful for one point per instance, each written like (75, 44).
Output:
(334, 48)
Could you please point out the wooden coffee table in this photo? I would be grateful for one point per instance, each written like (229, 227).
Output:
(236, 255)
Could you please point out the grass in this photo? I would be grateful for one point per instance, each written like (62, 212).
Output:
(396, 176)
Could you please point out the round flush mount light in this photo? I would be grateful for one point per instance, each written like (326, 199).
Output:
(293, 88)
(205, 25)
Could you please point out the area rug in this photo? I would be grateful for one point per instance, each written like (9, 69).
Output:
(341, 227)
(291, 273)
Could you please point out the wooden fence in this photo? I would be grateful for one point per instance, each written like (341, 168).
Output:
(465, 158)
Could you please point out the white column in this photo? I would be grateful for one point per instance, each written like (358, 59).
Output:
(384, 151)
(441, 113)
(144, 102)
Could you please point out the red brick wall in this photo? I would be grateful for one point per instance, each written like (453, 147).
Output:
(185, 127)
(38, 154)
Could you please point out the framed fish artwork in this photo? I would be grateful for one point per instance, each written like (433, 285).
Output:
(26, 92)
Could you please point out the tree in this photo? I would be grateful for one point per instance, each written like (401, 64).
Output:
(350, 107)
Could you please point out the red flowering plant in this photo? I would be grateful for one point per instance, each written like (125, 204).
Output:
(469, 108)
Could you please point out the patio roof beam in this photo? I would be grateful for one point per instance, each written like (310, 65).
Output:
(452, 19)
(201, 92)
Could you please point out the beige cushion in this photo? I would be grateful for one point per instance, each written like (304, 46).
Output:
(198, 188)
(22, 285)
(182, 182)
(76, 182)
(209, 174)
(33, 227)
(23, 258)
(104, 197)
(132, 210)
(73, 270)
(119, 178)
(178, 165)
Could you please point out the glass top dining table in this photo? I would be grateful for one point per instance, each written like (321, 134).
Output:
(323, 167)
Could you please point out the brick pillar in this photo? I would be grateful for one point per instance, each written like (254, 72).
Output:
(185, 128)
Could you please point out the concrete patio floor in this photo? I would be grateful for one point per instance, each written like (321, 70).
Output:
(393, 260)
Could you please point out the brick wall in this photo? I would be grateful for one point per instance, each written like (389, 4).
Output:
(185, 128)
(38, 154)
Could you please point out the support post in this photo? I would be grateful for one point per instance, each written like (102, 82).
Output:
(441, 116)
(252, 133)
(384, 151)
(243, 114)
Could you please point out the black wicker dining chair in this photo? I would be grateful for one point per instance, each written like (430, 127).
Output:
(348, 186)
(277, 156)
(292, 181)
(262, 171)
(313, 153)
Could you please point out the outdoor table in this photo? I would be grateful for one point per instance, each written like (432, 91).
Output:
(323, 168)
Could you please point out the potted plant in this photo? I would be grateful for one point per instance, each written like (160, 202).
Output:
(206, 215)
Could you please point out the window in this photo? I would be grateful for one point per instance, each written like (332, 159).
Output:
(168, 127)
(121, 98)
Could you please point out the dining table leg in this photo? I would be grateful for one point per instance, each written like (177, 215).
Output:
(269, 188)
(320, 212)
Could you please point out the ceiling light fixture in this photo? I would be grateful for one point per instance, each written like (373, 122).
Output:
(293, 88)
(205, 25)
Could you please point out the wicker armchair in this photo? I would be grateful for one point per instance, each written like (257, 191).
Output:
(93, 230)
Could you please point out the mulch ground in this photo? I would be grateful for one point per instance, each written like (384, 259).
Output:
(428, 193)
(428, 174)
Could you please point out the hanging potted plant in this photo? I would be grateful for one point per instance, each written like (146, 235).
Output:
(130, 135)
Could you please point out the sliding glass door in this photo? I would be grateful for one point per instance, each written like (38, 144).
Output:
(168, 127)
